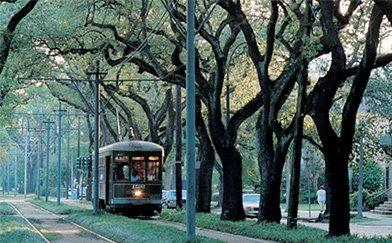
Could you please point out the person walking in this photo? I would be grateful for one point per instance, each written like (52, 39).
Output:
(321, 198)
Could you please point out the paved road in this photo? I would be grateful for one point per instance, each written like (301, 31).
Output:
(53, 226)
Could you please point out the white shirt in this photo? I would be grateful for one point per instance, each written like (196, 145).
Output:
(321, 195)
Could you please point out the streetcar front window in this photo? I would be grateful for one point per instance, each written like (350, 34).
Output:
(138, 172)
(153, 168)
(122, 168)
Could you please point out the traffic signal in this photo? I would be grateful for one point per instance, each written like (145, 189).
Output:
(78, 163)
(84, 163)
(88, 162)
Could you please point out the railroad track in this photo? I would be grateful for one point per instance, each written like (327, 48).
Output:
(51, 213)
(29, 223)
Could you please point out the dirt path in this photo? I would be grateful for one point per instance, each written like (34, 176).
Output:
(54, 227)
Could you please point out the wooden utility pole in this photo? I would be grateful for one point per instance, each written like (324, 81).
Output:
(178, 162)
(59, 136)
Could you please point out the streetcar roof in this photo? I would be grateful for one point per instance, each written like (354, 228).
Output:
(135, 145)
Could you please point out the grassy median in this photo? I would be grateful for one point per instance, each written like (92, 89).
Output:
(276, 232)
(57, 209)
(119, 228)
(13, 228)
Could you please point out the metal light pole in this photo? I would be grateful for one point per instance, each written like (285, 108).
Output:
(27, 139)
(48, 124)
(190, 122)
(59, 135)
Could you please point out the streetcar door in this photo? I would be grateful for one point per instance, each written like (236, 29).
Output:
(108, 179)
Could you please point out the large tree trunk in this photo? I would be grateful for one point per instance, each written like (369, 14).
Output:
(206, 156)
(297, 149)
(271, 177)
(219, 169)
(337, 177)
(232, 207)
(224, 144)
(271, 162)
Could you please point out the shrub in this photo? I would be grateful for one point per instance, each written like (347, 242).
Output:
(354, 200)
(373, 201)
(373, 176)
(369, 200)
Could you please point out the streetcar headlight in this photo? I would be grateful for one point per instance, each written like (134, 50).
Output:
(138, 193)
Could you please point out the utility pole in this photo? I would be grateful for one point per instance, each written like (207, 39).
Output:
(78, 181)
(360, 184)
(178, 164)
(16, 172)
(227, 103)
(97, 76)
(68, 159)
(190, 122)
(8, 176)
(3, 179)
(39, 162)
(48, 123)
(59, 135)
(27, 139)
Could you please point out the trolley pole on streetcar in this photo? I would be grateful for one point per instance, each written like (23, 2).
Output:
(48, 123)
(97, 76)
(27, 139)
(59, 135)
(190, 122)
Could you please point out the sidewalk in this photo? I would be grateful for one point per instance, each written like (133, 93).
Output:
(376, 225)
(226, 237)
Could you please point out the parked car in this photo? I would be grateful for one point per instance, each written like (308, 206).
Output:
(251, 204)
(169, 198)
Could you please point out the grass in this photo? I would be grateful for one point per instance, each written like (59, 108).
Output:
(276, 232)
(124, 229)
(18, 196)
(6, 209)
(303, 207)
(54, 208)
(14, 228)
(118, 228)
(362, 220)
